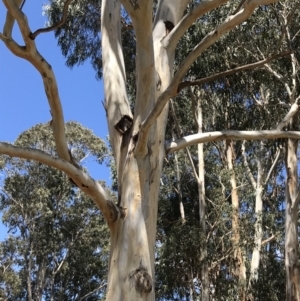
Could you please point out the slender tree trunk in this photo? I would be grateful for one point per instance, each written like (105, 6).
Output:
(179, 192)
(291, 223)
(40, 281)
(239, 269)
(258, 224)
(192, 288)
(29, 268)
(202, 208)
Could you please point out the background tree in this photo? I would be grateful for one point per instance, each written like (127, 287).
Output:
(58, 246)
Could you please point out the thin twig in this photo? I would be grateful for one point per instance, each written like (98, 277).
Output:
(268, 239)
(93, 291)
(22, 5)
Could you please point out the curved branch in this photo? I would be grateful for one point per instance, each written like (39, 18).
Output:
(233, 135)
(86, 183)
(15, 48)
(54, 26)
(31, 54)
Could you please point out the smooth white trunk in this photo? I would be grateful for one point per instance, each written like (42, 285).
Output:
(258, 222)
(132, 257)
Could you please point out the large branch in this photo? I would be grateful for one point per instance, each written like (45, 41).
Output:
(117, 106)
(141, 14)
(82, 179)
(178, 31)
(31, 54)
(230, 23)
(233, 135)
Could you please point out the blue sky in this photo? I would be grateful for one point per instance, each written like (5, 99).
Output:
(23, 102)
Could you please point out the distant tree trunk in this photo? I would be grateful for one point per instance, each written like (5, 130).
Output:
(291, 223)
(179, 192)
(239, 266)
(258, 222)
(202, 208)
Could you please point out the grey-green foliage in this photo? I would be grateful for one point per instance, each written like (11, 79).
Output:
(57, 236)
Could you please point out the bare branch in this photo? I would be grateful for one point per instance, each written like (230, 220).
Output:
(114, 78)
(268, 240)
(238, 7)
(171, 40)
(230, 72)
(145, 67)
(280, 78)
(19, 16)
(93, 291)
(31, 54)
(273, 165)
(13, 46)
(54, 26)
(10, 21)
(86, 183)
(293, 110)
(233, 135)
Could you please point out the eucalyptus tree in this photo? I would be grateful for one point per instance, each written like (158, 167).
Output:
(137, 136)
(57, 248)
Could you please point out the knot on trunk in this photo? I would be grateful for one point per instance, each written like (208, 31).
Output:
(141, 280)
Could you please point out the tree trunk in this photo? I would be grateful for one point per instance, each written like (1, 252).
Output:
(202, 207)
(131, 265)
(239, 266)
(291, 223)
(178, 184)
(258, 224)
